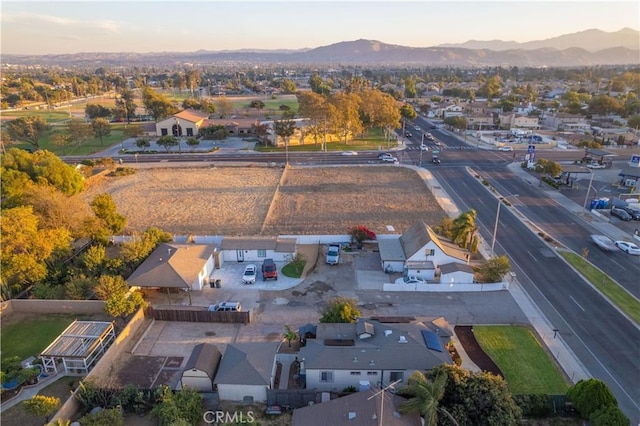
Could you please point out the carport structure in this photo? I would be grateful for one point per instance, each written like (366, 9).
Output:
(79, 347)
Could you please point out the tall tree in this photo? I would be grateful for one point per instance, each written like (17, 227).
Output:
(464, 229)
(347, 115)
(101, 128)
(27, 129)
(157, 104)
(425, 396)
(224, 107)
(93, 111)
(79, 130)
(125, 105)
(284, 129)
(105, 209)
(494, 269)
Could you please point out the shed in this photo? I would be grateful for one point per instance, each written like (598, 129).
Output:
(201, 368)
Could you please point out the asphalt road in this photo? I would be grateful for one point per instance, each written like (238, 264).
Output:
(603, 339)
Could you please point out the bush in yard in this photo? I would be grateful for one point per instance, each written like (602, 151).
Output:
(42, 406)
(608, 416)
(589, 396)
(360, 233)
(111, 417)
(341, 310)
(534, 405)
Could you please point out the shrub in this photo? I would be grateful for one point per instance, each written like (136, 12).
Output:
(360, 233)
(534, 405)
(608, 416)
(111, 417)
(589, 396)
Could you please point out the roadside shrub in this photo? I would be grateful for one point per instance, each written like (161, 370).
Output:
(608, 416)
(589, 396)
(534, 405)
(111, 417)
(124, 171)
(485, 182)
(360, 233)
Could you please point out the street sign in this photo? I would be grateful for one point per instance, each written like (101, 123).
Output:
(435, 151)
(635, 159)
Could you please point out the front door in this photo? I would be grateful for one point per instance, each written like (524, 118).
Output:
(240, 255)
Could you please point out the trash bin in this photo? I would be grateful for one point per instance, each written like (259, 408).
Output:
(212, 283)
(218, 283)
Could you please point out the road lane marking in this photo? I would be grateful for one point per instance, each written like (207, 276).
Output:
(574, 301)
(532, 256)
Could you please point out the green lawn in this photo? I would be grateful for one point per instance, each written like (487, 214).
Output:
(526, 366)
(374, 140)
(619, 296)
(293, 269)
(29, 337)
(49, 116)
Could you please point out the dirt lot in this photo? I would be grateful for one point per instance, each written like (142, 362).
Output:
(271, 201)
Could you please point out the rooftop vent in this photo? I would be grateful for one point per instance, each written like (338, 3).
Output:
(402, 339)
(355, 359)
(352, 415)
(387, 333)
(372, 362)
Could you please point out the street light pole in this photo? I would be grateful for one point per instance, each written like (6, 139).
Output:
(495, 228)
(421, 149)
(586, 197)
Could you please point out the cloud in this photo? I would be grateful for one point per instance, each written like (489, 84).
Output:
(65, 23)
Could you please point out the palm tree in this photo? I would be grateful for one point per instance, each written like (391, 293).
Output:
(425, 397)
(464, 228)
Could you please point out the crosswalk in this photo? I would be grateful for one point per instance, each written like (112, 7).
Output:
(444, 148)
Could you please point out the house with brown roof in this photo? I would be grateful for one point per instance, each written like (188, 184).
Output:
(256, 249)
(233, 126)
(420, 252)
(368, 408)
(185, 123)
(372, 353)
(179, 266)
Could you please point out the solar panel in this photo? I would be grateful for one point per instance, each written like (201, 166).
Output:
(432, 340)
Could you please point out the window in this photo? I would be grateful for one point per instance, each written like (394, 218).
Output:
(372, 373)
(262, 253)
(396, 375)
(429, 252)
(355, 373)
(164, 132)
(189, 131)
(326, 376)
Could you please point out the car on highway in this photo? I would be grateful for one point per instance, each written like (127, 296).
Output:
(416, 128)
(408, 134)
(433, 127)
(249, 274)
(596, 165)
(389, 159)
(410, 280)
(603, 242)
(429, 137)
(424, 147)
(349, 153)
(620, 214)
(628, 247)
(384, 154)
(506, 148)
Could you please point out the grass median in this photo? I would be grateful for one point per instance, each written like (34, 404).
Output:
(616, 294)
(526, 366)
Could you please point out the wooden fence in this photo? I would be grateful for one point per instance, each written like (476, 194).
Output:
(190, 314)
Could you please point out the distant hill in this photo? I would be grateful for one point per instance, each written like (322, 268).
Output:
(586, 48)
(591, 40)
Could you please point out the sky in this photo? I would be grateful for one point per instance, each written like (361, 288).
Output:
(53, 27)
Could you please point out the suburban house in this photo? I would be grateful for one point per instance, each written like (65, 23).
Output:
(185, 123)
(246, 371)
(371, 353)
(298, 138)
(567, 122)
(256, 249)
(357, 409)
(420, 252)
(518, 121)
(480, 121)
(201, 368)
(178, 266)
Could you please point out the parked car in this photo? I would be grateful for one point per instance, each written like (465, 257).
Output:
(628, 247)
(596, 165)
(634, 213)
(603, 242)
(384, 154)
(249, 274)
(410, 280)
(269, 270)
(333, 254)
(225, 307)
(506, 148)
(620, 214)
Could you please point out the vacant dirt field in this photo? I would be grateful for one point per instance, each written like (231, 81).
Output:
(271, 201)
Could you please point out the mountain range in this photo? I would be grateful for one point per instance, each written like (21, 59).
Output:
(585, 48)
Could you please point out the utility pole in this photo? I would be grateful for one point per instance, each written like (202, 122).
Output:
(421, 149)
